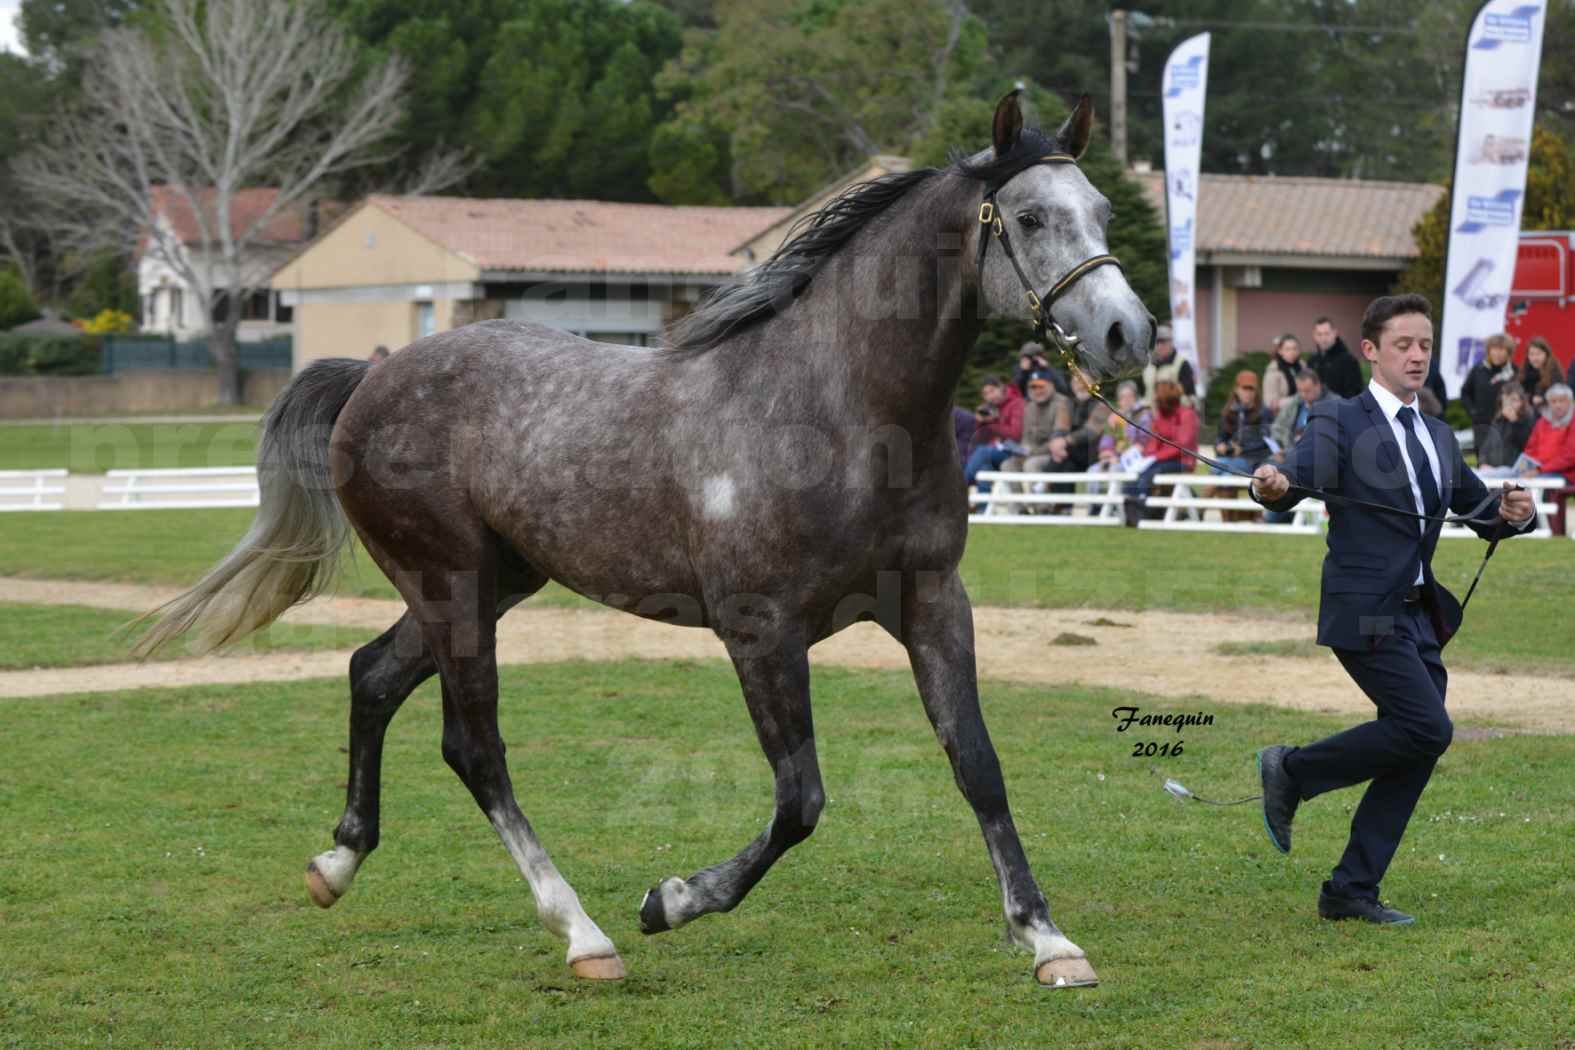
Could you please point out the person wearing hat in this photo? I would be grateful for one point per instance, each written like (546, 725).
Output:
(1241, 443)
(1047, 417)
(1167, 366)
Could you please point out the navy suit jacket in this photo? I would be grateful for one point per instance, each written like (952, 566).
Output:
(1349, 448)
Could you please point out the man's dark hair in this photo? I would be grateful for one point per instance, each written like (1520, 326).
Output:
(1323, 320)
(1387, 307)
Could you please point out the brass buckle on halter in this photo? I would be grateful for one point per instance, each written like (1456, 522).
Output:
(986, 213)
(1033, 302)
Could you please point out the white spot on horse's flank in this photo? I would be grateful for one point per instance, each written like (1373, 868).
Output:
(719, 497)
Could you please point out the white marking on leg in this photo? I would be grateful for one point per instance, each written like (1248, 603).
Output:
(1045, 942)
(338, 867)
(679, 903)
(557, 905)
(719, 497)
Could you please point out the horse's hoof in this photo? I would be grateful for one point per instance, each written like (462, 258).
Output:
(599, 968)
(1066, 973)
(317, 887)
(653, 916)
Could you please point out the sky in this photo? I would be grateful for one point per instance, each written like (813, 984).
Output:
(9, 32)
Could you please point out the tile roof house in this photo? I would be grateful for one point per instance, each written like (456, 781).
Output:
(393, 269)
(1276, 252)
(170, 306)
(1281, 220)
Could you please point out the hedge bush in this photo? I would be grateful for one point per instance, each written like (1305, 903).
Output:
(53, 355)
(16, 305)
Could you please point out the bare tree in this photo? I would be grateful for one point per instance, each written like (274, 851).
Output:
(219, 97)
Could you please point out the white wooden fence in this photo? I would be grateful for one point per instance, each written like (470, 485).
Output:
(1192, 496)
(29, 489)
(1027, 499)
(1191, 502)
(180, 488)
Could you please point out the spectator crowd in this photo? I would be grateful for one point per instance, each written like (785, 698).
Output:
(1043, 421)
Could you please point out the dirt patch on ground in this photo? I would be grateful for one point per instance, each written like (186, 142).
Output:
(1164, 653)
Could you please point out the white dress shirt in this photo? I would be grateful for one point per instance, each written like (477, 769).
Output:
(1390, 406)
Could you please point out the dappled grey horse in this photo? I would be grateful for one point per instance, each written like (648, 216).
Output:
(785, 468)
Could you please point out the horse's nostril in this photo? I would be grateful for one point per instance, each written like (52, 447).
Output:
(1116, 338)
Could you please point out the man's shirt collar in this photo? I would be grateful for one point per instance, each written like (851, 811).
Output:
(1388, 403)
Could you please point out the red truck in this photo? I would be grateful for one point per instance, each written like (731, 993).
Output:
(1542, 299)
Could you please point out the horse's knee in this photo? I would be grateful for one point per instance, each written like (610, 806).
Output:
(797, 816)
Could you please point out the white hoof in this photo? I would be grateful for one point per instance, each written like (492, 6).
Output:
(328, 875)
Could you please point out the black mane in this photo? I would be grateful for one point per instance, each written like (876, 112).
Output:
(816, 237)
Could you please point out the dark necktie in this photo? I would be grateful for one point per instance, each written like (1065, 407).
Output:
(1419, 462)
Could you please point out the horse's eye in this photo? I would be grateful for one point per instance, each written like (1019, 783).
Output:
(1028, 221)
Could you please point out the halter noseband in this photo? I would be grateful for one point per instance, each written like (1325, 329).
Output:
(1044, 321)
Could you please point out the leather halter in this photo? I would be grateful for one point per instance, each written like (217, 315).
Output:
(990, 218)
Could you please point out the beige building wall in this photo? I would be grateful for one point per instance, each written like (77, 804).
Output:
(371, 247)
(361, 284)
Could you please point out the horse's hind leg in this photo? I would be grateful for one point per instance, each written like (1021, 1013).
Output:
(776, 691)
(462, 633)
(938, 633)
(382, 674)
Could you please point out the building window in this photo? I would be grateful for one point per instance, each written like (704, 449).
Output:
(176, 304)
(282, 313)
(426, 320)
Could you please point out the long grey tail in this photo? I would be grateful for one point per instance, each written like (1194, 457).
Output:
(300, 534)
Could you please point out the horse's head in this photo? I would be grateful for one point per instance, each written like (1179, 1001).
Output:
(1054, 222)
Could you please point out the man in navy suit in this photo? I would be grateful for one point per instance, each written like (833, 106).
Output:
(1383, 613)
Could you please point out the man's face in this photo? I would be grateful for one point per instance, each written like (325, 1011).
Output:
(1308, 386)
(1323, 335)
(1498, 355)
(1560, 405)
(1405, 346)
(994, 394)
(1163, 348)
(1040, 391)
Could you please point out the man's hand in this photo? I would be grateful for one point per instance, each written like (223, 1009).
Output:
(1269, 483)
(1058, 449)
(1517, 504)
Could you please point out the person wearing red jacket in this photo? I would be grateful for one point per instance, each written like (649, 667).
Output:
(1176, 422)
(1000, 432)
(1552, 441)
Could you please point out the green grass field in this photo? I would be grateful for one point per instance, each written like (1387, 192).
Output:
(151, 896)
(75, 636)
(92, 448)
(1509, 624)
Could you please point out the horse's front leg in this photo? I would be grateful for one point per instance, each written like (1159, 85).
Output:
(774, 672)
(937, 630)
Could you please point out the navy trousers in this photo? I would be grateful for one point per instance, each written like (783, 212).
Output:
(1404, 677)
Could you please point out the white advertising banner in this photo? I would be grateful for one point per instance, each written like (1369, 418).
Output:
(1498, 98)
(1184, 84)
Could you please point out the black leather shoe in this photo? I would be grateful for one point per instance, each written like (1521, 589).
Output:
(1365, 908)
(1280, 797)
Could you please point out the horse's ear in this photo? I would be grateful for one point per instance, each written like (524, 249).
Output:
(1008, 123)
(1073, 136)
